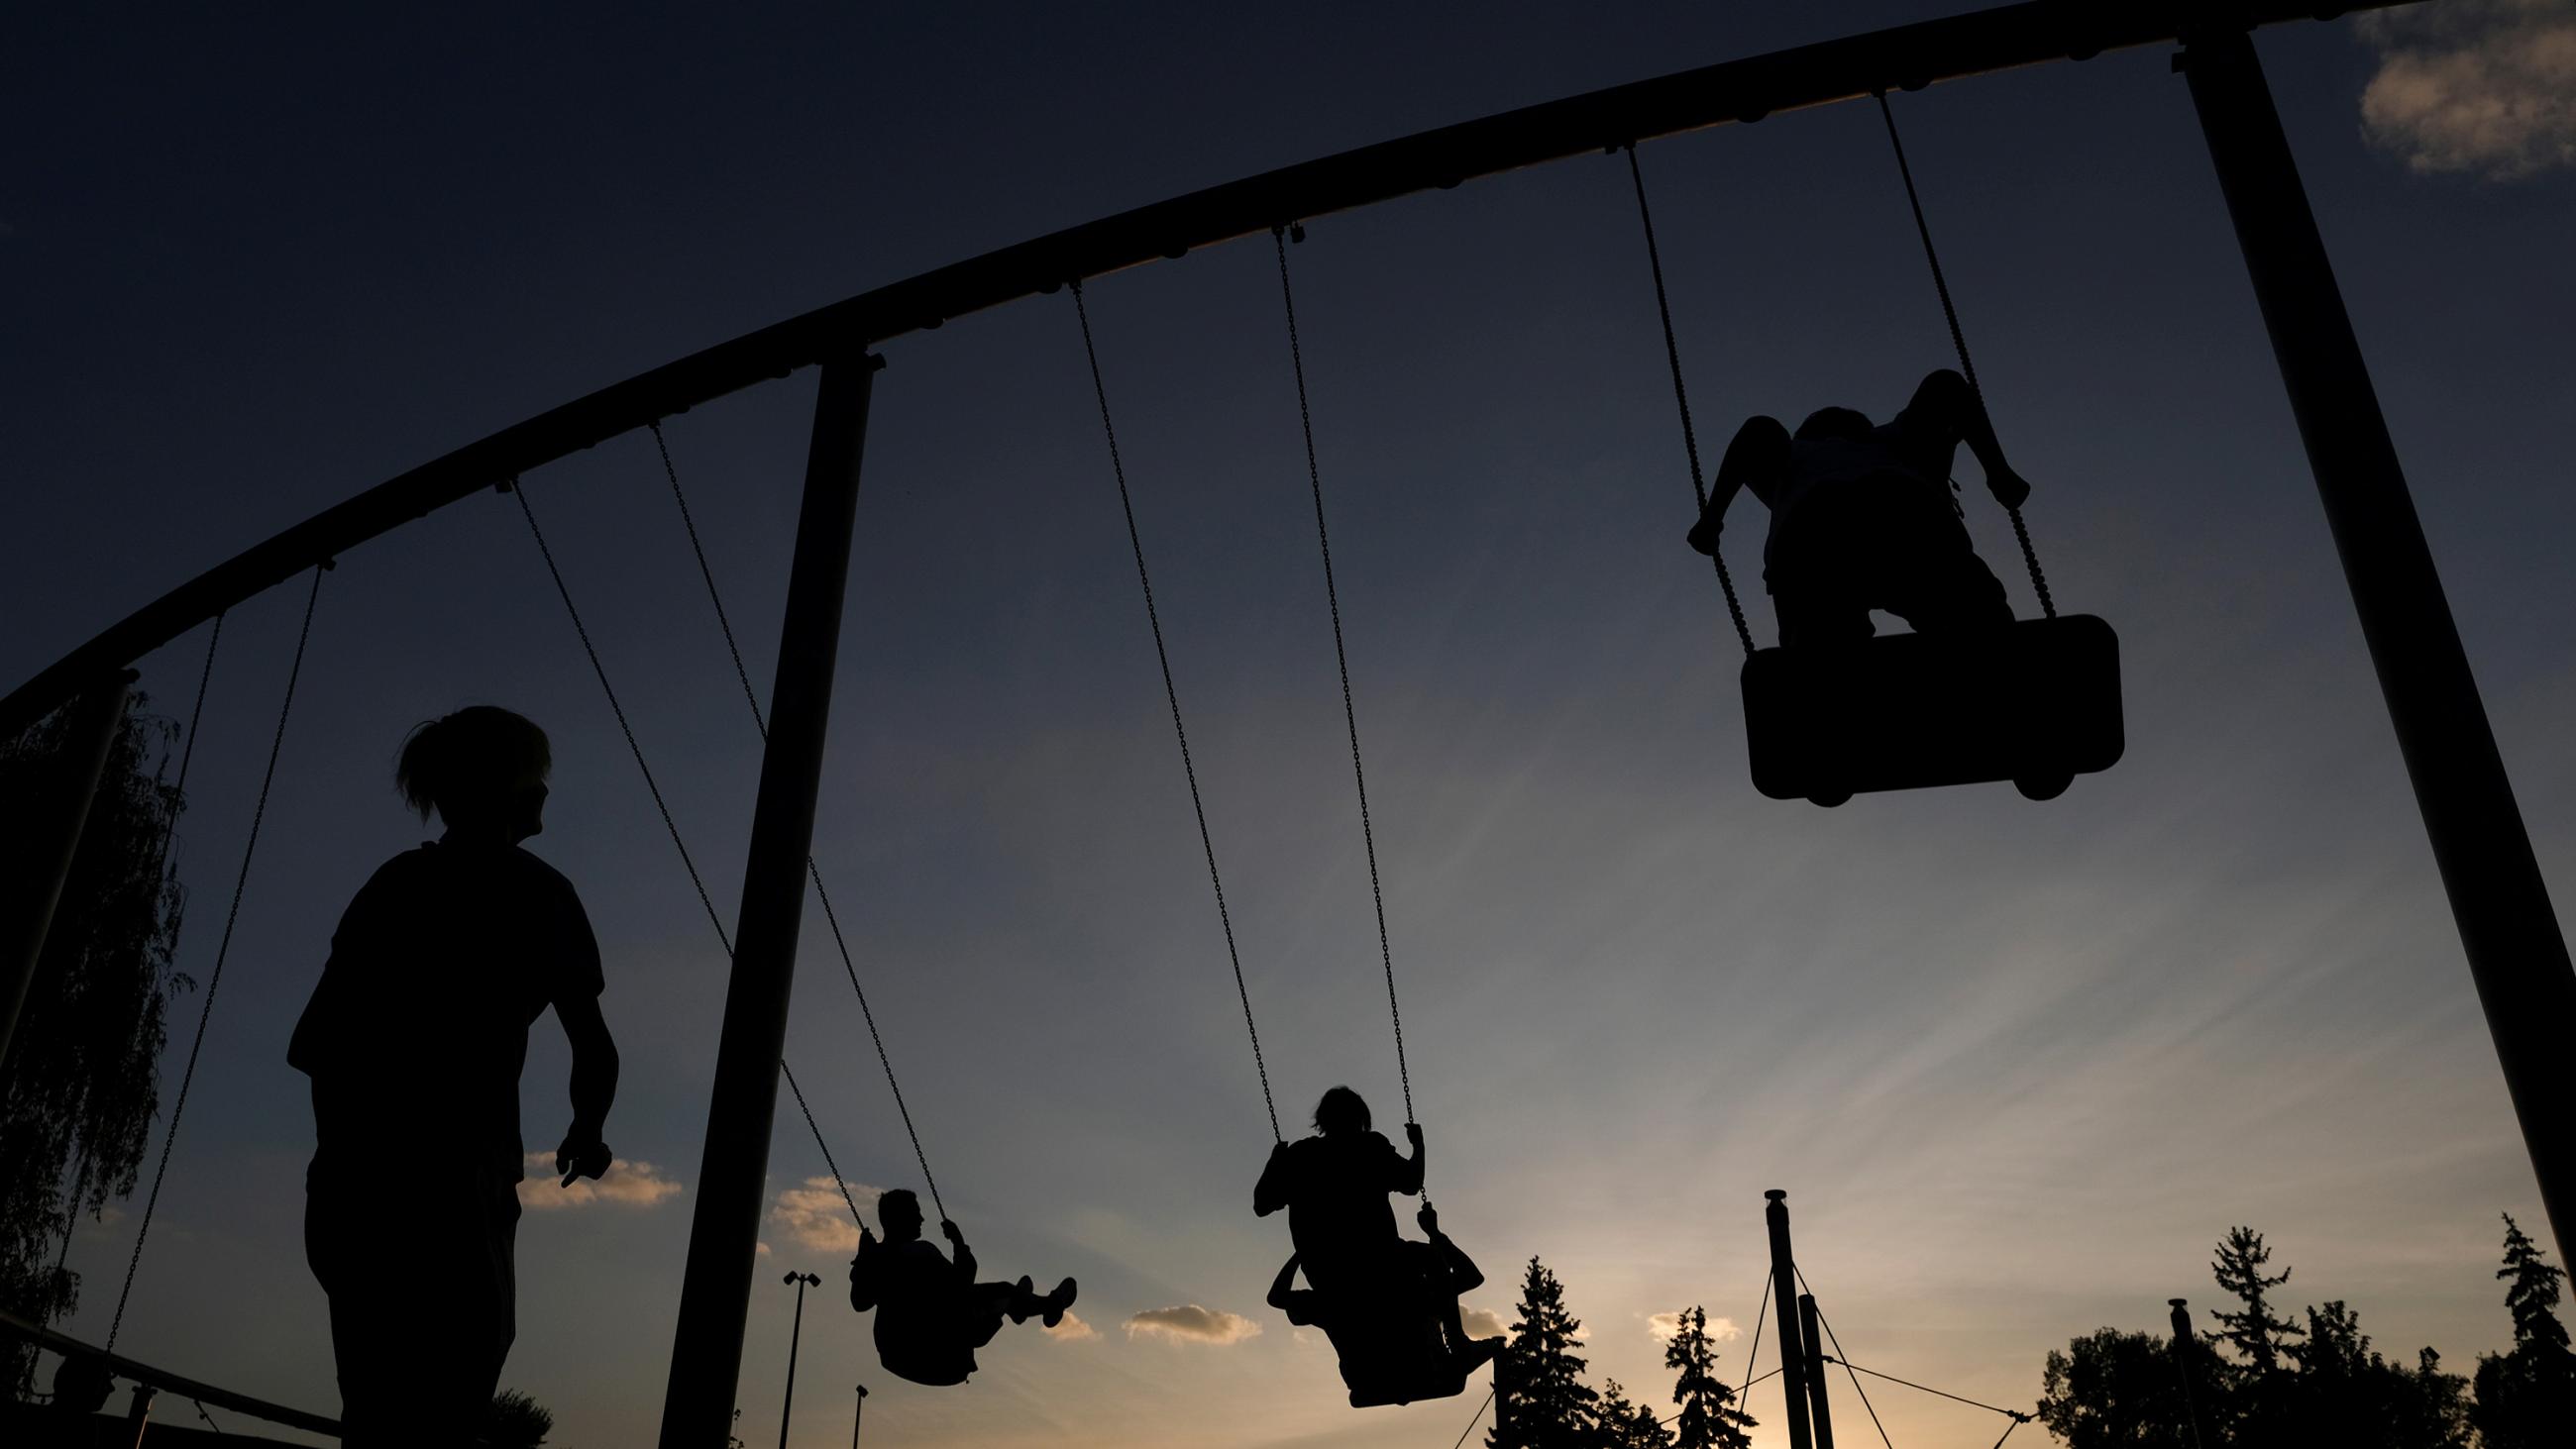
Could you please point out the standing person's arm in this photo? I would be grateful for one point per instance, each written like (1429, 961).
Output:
(594, 1088)
(1758, 459)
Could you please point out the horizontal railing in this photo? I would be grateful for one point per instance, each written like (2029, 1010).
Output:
(166, 1381)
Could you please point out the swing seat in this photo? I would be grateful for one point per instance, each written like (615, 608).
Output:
(1402, 1369)
(2036, 702)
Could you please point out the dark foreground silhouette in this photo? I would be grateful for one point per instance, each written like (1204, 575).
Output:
(1863, 518)
(931, 1313)
(414, 1041)
(1400, 1338)
(1389, 1305)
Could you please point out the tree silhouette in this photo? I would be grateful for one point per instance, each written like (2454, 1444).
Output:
(2253, 1331)
(518, 1422)
(2114, 1390)
(1546, 1404)
(78, 1092)
(1625, 1425)
(1709, 1417)
(2527, 1398)
(2346, 1394)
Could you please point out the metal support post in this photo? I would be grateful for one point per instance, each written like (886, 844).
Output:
(51, 832)
(1784, 1292)
(138, 1413)
(724, 1229)
(2509, 932)
(795, 1332)
(857, 1414)
(1818, 1409)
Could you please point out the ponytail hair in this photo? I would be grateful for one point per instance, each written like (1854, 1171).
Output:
(476, 752)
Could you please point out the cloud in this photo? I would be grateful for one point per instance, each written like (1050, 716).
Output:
(1483, 1323)
(1071, 1330)
(2481, 86)
(1662, 1326)
(816, 1219)
(626, 1184)
(1189, 1323)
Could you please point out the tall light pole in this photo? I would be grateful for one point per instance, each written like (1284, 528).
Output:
(796, 1331)
(856, 1414)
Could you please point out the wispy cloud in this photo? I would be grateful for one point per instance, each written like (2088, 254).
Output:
(1483, 1323)
(2480, 86)
(1071, 1330)
(815, 1218)
(1662, 1326)
(1189, 1323)
(626, 1184)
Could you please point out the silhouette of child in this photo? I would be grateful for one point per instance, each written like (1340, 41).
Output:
(1334, 1186)
(1408, 1331)
(1862, 519)
(414, 1040)
(931, 1313)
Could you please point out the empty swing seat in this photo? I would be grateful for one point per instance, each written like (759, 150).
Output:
(2036, 702)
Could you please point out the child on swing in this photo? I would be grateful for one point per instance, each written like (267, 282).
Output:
(931, 1313)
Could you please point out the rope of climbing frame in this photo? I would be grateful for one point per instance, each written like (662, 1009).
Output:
(1171, 693)
(831, 917)
(1341, 657)
(1681, 397)
(161, 878)
(1819, 1350)
(1959, 340)
(223, 948)
(688, 863)
(2017, 1416)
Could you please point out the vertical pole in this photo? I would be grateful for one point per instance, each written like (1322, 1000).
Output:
(795, 1332)
(51, 829)
(138, 1412)
(724, 1228)
(858, 1414)
(2510, 934)
(1784, 1291)
(1821, 1412)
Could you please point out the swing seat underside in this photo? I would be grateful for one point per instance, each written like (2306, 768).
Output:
(2036, 703)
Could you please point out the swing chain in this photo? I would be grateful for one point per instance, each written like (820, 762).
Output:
(1341, 657)
(1681, 397)
(224, 946)
(1959, 340)
(823, 897)
(517, 489)
(1172, 694)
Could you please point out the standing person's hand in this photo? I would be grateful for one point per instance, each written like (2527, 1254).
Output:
(582, 1154)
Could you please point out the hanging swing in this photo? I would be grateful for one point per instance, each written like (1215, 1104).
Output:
(1390, 1351)
(2033, 701)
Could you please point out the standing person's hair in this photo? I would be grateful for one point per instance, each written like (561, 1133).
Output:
(477, 753)
(1341, 1110)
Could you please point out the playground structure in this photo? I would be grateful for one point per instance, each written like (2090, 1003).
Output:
(2508, 928)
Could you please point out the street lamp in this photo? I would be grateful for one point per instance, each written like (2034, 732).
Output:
(854, 1416)
(802, 1281)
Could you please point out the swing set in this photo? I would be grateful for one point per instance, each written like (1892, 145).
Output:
(2036, 702)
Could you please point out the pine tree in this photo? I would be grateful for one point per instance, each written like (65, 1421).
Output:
(2254, 1332)
(1709, 1417)
(1545, 1403)
(2527, 1398)
(1624, 1425)
(2533, 1296)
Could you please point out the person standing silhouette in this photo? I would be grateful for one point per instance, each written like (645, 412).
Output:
(414, 1040)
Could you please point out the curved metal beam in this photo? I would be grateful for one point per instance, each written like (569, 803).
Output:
(1907, 57)
(186, 1388)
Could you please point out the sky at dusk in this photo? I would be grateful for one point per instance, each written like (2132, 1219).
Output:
(2017, 1065)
